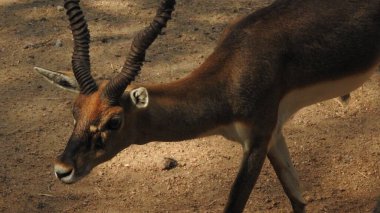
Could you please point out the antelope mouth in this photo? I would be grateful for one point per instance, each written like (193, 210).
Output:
(69, 175)
(64, 173)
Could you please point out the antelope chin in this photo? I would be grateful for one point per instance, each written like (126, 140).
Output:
(68, 179)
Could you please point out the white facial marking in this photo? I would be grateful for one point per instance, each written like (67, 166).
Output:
(104, 135)
(93, 129)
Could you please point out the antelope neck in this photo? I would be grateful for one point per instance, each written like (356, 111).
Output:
(186, 108)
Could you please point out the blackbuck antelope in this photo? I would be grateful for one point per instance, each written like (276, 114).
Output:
(266, 66)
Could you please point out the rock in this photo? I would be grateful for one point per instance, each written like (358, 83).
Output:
(58, 43)
(27, 46)
(309, 198)
(169, 163)
(60, 8)
(104, 40)
(41, 205)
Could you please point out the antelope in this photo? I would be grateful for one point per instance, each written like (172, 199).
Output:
(266, 67)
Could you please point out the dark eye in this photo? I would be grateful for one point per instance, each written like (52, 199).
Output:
(114, 123)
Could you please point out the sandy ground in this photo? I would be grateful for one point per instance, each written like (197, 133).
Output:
(335, 149)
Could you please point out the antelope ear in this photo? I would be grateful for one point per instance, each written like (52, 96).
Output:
(140, 97)
(64, 80)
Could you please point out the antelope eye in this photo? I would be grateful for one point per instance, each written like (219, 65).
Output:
(114, 123)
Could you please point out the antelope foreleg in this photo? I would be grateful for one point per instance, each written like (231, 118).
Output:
(250, 168)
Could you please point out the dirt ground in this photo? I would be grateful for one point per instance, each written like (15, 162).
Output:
(335, 149)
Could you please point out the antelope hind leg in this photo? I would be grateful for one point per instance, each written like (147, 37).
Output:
(279, 157)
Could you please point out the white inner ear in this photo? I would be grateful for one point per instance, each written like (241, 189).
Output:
(140, 97)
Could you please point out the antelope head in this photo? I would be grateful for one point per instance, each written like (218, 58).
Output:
(104, 120)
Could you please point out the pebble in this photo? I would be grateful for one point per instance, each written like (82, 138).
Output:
(104, 40)
(169, 163)
(60, 8)
(309, 198)
(27, 46)
(41, 205)
(58, 43)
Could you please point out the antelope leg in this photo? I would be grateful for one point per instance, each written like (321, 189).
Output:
(280, 159)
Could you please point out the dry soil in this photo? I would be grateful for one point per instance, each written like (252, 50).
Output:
(335, 149)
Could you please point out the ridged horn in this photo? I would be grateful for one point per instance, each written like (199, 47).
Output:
(81, 58)
(132, 66)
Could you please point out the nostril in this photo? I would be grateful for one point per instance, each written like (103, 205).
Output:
(61, 174)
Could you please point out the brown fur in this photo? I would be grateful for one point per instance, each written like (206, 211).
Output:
(287, 46)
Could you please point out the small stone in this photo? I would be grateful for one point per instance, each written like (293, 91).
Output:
(41, 205)
(104, 40)
(60, 8)
(169, 163)
(309, 198)
(27, 46)
(58, 43)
